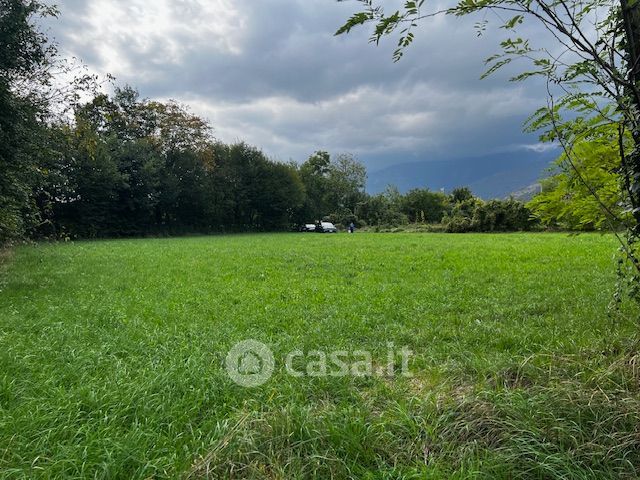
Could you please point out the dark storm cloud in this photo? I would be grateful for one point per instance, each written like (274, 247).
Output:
(272, 73)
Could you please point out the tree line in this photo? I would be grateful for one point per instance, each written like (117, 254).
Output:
(126, 166)
(129, 166)
(121, 165)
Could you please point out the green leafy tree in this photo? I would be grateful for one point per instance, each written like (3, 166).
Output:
(423, 206)
(137, 167)
(333, 185)
(280, 196)
(259, 194)
(25, 58)
(461, 194)
(382, 209)
(574, 198)
(314, 174)
(90, 198)
(345, 182)
(184, 193)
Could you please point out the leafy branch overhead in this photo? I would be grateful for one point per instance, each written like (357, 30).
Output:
(405, 19)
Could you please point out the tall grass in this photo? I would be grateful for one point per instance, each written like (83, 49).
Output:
(112, 358)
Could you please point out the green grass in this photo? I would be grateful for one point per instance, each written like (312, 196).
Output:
(112, 358)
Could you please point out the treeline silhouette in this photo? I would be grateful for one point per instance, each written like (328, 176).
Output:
(120, 165)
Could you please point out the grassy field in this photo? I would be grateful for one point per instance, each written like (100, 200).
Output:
(112, 358)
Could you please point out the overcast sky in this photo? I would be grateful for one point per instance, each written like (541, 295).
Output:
(270, 72)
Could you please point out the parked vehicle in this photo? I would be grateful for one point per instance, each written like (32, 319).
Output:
(326, 227)
(308, 227)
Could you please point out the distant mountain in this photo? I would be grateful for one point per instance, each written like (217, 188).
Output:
(527, 193)
(491, 176)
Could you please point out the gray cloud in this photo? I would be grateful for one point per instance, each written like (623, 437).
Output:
(273, 74)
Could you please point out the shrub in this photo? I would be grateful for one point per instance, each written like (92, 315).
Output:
(501, 215)
(474, 215)
(456, 223)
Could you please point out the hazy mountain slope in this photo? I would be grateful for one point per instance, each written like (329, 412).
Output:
(491, 176)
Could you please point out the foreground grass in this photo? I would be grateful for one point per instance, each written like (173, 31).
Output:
(112, 355)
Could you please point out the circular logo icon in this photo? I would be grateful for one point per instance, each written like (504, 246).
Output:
(250, 363)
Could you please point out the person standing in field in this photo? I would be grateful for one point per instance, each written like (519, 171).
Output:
(352, 227)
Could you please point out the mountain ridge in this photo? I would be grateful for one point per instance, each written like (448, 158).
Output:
(488, 176)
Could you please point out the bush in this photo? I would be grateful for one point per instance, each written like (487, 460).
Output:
(501, 215)
(474, 215)
(456, 223)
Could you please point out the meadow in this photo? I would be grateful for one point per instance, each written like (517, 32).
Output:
(112, 358)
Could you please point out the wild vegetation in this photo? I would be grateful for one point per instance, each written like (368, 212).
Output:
(587, 195)
(112, 352)
(112, 358)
